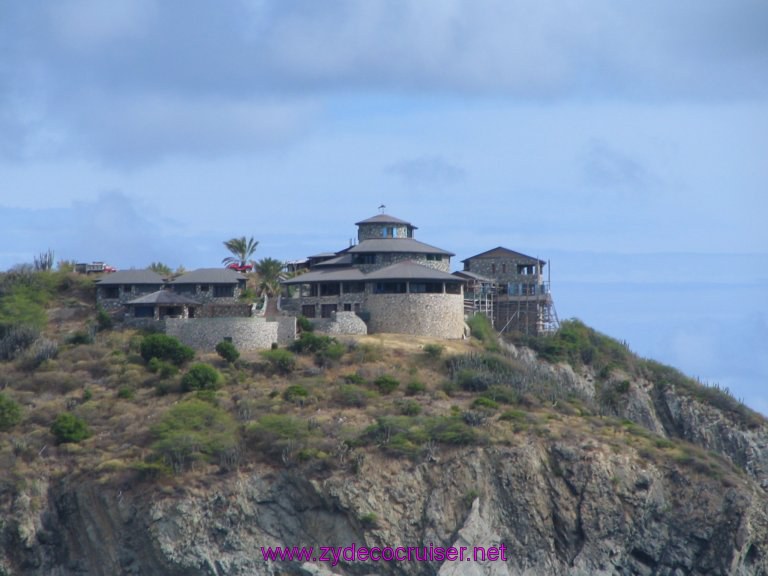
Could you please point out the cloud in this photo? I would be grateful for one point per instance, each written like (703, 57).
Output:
(427, 172)
(234, 75)
(608, 168)
(112, 228)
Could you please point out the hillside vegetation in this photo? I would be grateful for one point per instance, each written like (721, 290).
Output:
(78, 395)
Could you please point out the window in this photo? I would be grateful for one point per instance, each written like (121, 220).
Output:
(328, 310)
(426, 287)
(503, 268)
(330, 289)
(110, 292)
(347, 307)
(144, 312)
(204, 288)
(184, 288)
(308, 310)
(224, 291)
(127, 288)
(435, 257)
(365, 259)
(452, 288)
(493, 268)
(390, 288)
(353, 287)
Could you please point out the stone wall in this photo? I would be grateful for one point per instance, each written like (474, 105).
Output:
(205, 333)
(286, 329)
(216, 310)
(436, 315)
(503, 269)
(134, 291)
(341, 323)
(373, 231)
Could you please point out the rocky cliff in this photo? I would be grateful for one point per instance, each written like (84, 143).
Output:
(658, 480)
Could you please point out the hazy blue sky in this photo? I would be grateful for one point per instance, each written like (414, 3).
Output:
(627, 142)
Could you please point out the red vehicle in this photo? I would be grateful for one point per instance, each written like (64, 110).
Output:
(238, 267)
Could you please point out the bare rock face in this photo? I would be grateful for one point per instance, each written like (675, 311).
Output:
(567, 498)
(561, 508)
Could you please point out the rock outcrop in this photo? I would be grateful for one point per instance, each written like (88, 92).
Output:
(663, 485)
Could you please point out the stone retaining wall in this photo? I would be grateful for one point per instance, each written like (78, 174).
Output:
(341, 323)
(436, 315)
(205, 333)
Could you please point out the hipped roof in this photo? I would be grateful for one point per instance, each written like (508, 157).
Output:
(501, 252)
(385, 219)
(210, 276)
(165, 297)
(131, 277)
(394, 245)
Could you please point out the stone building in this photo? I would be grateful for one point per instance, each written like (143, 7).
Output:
(514, 290)
(390, 280)
(115, 290)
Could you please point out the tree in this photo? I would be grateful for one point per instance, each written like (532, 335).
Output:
(241, 248)
(160, 268)
(269, 271)
(69, 428)
(10, 413)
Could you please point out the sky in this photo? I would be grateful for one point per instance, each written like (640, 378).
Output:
(624, 142)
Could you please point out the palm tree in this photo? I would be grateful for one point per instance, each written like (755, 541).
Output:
(241, 249)
(269, 271)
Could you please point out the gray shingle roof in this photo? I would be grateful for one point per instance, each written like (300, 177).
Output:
(342, 260)
(332, 275)
(472, 276)
(210, 276)
(411, 271)
(131, 277)
(501, 252)
(384, 245)
(385, 219)
(167, 297)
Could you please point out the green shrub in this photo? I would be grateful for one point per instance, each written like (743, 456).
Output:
(386, 384)
(165, 347)
(482, 329)
(415, 388)
(162, 368)
(283, 361)
(278, 435)
(513, 416)
(486, 403)
(451, 430)
(295, 392)
(201, 377)
(311, 343)
(354, 379)
(10, 413)
(352, 396)
(409, 408)
(227, 351)
(68, 428)
(126, 393)
(103, 320)
(434, 350)
(331, 354)
(304, 324)
(578, 344)
(194, 431)
(80, 337)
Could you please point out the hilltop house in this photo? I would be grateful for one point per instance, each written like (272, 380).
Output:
(388, 280)
(115, 290)
(512, 288)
